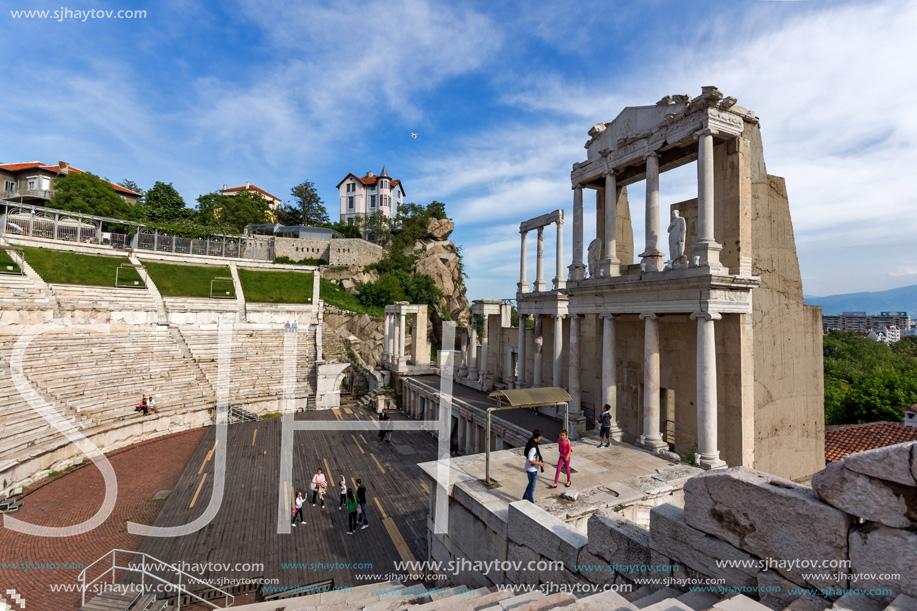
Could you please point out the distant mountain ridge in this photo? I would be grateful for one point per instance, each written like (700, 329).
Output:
(903, 299)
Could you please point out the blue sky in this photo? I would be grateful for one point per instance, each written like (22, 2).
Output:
(501, 95)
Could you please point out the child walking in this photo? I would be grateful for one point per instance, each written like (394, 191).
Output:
(352, 512)
(297, 509)
(565, 450)
(343, 492)
(605, 422)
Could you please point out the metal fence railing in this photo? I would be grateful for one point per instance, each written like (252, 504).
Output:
(40, 222)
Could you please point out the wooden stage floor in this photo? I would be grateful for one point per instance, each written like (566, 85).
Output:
(244, 530)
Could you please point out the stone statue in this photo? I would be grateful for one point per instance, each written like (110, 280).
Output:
(594, 251)
(677, 230)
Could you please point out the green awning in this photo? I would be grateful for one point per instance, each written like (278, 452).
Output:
(529, 397)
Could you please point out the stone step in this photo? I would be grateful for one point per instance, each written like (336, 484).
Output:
(668, 604)
(608, 600)
(739, 602)
(653, 598)
(639, 593)
(699, 601)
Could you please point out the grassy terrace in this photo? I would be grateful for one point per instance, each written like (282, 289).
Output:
(190, 280)
(276, 287)
(58, 267)
(334, 295)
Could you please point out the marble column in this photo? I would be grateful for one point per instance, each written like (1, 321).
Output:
(610, 264)
(651, 438)
(652, 257)
(558, 348)
(540, 284)
(523, 286)
(610, 375)
(510, 376)
(559, 280)
(520, 363)
(573, 374)
(402, 328)
(577, 268)
(473, 350)
(706, 247)
(469, 433)
(539, 350)
(707, 457)
(387, 332)
(484, 344)
(463, 355)
(461, 434)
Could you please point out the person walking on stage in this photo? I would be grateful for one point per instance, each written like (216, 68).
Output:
(565, 451)
(297, 509)
(604, 421)
(351, 512)
(319, 485)
(361, 498)
(533, 462)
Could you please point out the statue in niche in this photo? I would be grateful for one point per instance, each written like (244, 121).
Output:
(677, 230)
(594, 251)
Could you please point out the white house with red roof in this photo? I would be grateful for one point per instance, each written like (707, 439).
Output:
(362, 196)
(273, 202)
(32, 182)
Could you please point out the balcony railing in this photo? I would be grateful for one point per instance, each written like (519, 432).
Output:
(19, 193)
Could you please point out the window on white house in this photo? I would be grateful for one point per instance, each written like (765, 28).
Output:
(350, 203)
(372, 201)
(9, 187)
(32, 183)
(45, 183)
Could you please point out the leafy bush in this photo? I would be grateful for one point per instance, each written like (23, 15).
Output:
(396, 285)
(307, 261)
(866, 380)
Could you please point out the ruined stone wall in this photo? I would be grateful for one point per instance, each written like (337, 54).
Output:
(354, 251)
(860, 514)
(297, 249)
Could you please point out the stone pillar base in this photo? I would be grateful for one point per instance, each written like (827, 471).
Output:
(610, 267)
(652, 261)
(708, 254)
(540, 286)
(577, 271)
(577, 427)
(560, 283)
(652, 444)
(617, 433)
(522, 287)
(708, 462)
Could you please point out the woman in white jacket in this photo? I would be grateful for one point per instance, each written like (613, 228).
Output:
(319, 485)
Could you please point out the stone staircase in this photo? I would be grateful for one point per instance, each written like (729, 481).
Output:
(20, 292)
(394, 596)
(256, 361)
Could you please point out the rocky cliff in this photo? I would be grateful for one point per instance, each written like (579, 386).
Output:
(439, 258)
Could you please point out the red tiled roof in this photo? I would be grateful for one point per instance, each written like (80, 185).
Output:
(250, 188)
(371, 180)
(16, 167)
(844, 439)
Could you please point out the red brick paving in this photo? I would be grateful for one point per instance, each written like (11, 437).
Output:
(70, 499)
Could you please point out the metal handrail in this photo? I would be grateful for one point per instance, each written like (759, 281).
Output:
(228, 599)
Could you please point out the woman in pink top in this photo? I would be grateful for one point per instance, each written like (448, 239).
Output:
(565, 450)
(319, 485)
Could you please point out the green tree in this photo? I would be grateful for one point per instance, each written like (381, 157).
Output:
(89, 194)
(163, 204)
(377, 227)
(309, 206)
(233, 211)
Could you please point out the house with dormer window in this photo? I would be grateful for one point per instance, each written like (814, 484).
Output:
(363, 196)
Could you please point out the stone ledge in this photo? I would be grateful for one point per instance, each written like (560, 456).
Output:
(547, 535)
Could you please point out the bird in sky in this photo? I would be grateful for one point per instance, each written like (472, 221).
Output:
(413, 136)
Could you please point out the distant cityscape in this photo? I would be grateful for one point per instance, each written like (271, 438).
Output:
(888, 327)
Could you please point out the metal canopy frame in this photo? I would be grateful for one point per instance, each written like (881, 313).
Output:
(523, 397)
(9, 250)
(223, 279)
(136, 285)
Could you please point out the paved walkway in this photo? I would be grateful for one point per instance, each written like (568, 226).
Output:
(74, 497)
(244, 532)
